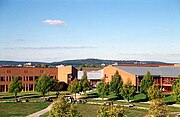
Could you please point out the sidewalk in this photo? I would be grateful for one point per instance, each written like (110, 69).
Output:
(41, 112)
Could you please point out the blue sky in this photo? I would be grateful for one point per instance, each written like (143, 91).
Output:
(55, 30)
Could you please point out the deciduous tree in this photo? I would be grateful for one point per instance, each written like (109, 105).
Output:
(158, 109)
(176, 89)
(127, 90)
(154, 92)
(15, 86)
(45, 84)
(116, 84)
(111, 111)
(62, 108)
(74, 87)
(146, 82)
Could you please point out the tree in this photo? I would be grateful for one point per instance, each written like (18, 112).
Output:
(176, 89)
(103, 88)
(127, 90)
(158, 109)
(85, 84)
(146, 82)
(154, 92)
(15, 86)
(111, 111)
(116, 83)
(62, 108)
(45, 84)
(74, 87)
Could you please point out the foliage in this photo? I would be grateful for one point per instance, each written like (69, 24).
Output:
(15, 86)
(127, 90)
(85, 84)
(154, 92)
(146, 82)
(62, 108)
(45, 84)
(61, 86)
(110, 111)
(158, 109)
(103, 88)
(116, 83)
(176, 89)
(74, 87)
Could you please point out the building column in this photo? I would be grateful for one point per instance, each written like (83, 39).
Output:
(5, 88)
(137, 84)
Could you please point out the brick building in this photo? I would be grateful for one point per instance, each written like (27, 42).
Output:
(163, 76)
(28, 75)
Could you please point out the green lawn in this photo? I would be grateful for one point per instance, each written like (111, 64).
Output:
(14, 109)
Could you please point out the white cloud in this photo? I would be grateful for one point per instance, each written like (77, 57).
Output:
(53, 22)
(166, 30)
(51, 47)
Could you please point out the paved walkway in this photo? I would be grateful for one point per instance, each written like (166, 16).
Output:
(41, 112)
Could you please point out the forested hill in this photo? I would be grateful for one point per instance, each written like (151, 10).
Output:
(79, 62)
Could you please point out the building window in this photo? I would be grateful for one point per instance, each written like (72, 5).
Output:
(6, 88)
(25, 71)
(9, 78)
(36, 78)
(41, 71)
(6, 78)
(26, 78)
(20, 78)
(30, 87)
(2, 78)
(30, 78)
(8, 71)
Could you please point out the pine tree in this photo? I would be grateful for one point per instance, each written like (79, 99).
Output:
(127, 90)
(116, 83)
(103, 89)
(85, 84)
(146, 82)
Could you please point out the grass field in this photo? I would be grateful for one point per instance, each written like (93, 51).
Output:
(36, 103)
(14, 109)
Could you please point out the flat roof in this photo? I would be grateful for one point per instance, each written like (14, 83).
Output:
(163, 71)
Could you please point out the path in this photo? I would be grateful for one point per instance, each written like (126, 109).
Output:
(41, 112)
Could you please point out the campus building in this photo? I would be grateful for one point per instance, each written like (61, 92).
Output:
(28, 75)
(163, 76)
(93, 76)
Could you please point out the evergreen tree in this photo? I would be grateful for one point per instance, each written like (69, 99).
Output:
(45, 84)
(74, 87)
(176, 89)
(85, 84)
(15, 86)
(146, 82)
(127, 90)
(154, 92)
(116, 83)
(103, 89)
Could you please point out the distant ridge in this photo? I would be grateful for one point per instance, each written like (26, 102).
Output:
(79, 62)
